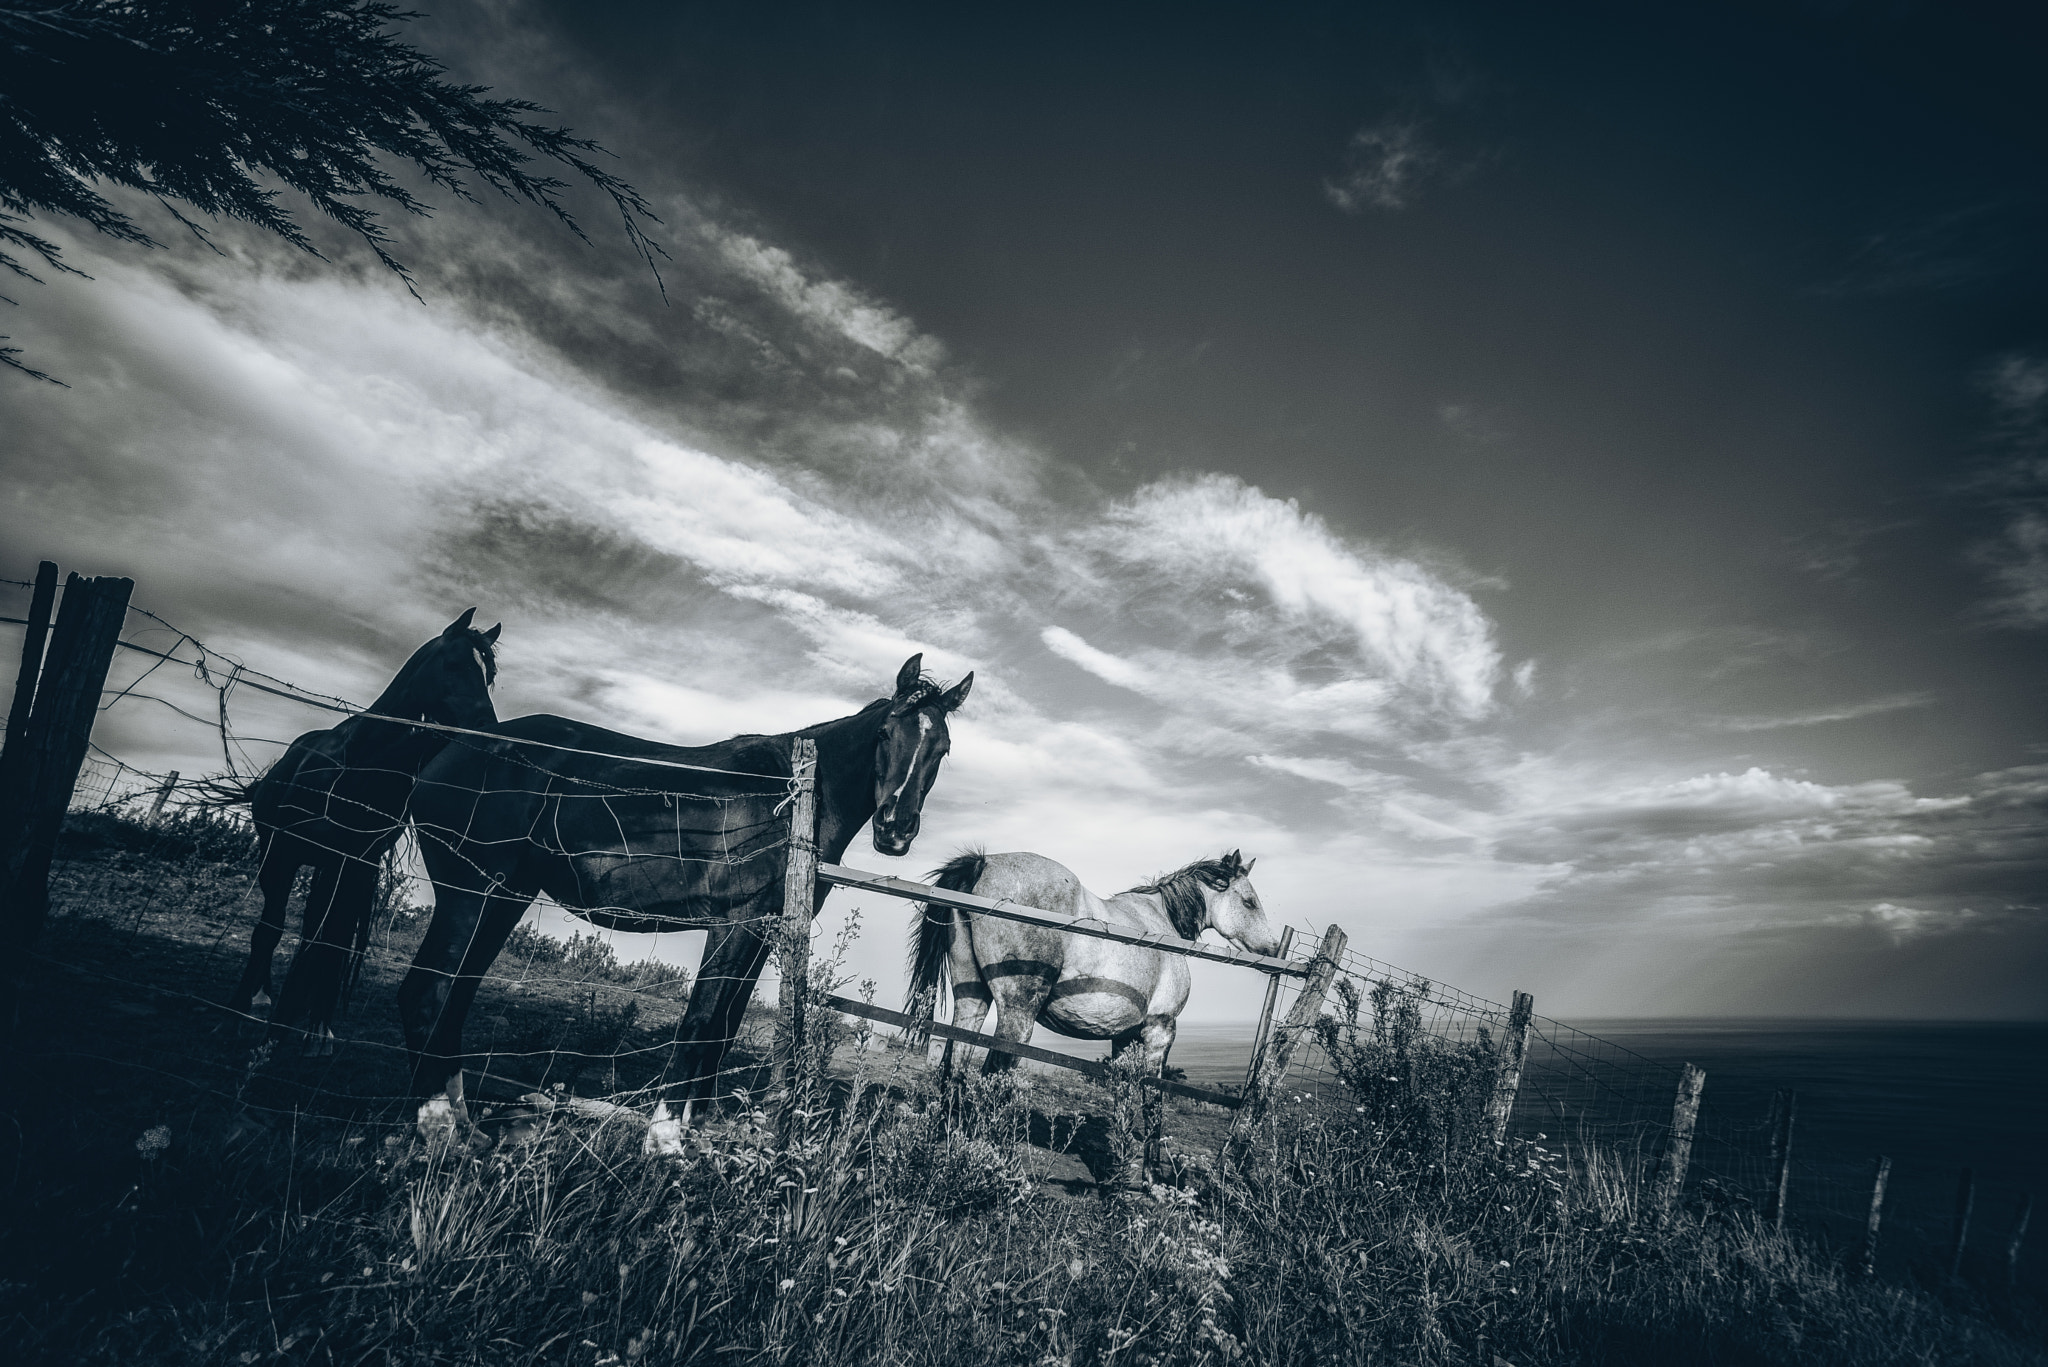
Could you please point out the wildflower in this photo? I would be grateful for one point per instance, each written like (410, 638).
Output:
(153, 1141)
(1075, 1269)
(786, 1283)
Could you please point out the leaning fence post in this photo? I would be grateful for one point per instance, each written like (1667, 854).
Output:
(1867, 1263)
(2019, 1236)
(1784, 1107)
(1671, 1164)
(1269, 1068)
(1266, 1012)
(1514, 1052)
(799, 896)
(33, 635)
(163, 795)
(1966, 1201)
(41, 771)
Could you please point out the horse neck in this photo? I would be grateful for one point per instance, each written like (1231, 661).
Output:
(846, 776)
(402, 697)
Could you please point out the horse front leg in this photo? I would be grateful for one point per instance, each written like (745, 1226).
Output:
(274, 877)
(734, 954)
(1153, 1037)
(468, 930)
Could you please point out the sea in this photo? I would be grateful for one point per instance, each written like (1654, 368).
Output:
(1936, 1097)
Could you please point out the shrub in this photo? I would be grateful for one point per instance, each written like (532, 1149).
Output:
(1426, 1095)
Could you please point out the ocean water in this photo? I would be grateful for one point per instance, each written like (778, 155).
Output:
(1936, 1097)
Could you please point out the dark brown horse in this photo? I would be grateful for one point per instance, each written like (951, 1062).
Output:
(336, 801)
(634, 835)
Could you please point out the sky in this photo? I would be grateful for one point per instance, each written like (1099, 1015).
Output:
(1565, 489)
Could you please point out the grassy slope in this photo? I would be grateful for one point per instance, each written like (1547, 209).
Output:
(291, 1217)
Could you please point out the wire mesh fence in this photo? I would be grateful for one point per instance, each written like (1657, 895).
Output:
(155, 898)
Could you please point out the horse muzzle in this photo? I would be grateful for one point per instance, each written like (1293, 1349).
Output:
(894, 842)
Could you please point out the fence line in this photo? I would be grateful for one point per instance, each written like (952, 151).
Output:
(1573, 1084)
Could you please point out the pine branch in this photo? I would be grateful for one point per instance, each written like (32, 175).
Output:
(189, 101)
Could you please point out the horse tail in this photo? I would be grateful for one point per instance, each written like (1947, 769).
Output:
(223, 790)
(932, 939)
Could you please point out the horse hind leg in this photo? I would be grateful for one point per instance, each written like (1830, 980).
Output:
(971, 1002)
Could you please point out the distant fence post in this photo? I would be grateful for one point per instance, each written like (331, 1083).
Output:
(1677, 1154)
(1269, 1067)
(1266, 1012)
(39, 769)
(1867, 1263)
(799, 896)
(163, 795)
(1784, 1107)
(1966, 1201)
(37, 632)
(1514, 1053)
(2019, 1236)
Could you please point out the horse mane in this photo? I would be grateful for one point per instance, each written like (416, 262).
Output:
(923, 692)
(1181, 891)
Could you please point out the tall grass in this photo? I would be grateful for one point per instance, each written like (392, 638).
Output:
(884, 1225)
(865, 1215)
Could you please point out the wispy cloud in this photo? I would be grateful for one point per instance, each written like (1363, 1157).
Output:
(1826, 715)
(1385, 167)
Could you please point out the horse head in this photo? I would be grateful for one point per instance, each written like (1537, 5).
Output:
(908, 748)
(448, 680)
(1235, 911)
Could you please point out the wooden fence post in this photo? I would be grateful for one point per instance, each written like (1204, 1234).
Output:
(1514, 1052)
(41, 771)
(1784, 1107)
(1269, 1067)
(37, 632)
(799, 899)
(1867, 1262)
(163, 795)
(1966, 1201)
(1266, 1012)
(1672, 1162)
(2019, 1236)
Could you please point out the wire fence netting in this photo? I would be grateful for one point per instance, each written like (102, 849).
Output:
(155, 897)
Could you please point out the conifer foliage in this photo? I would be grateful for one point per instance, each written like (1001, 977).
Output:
(212, 104)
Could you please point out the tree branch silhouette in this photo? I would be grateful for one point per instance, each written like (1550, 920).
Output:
(191, 101)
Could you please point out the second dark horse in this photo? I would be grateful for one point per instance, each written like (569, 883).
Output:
(634, 835)
(335, 800)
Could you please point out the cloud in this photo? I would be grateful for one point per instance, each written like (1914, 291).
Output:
(1385, 166)
(2016, 562)
(1898, 702)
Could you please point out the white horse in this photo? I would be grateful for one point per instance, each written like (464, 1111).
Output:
(1080, 986)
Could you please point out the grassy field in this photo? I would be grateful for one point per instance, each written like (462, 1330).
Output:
(168, 1202)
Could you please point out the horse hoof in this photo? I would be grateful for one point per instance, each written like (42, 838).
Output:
(437, 1122)
(664, 1133)
(259, 1002)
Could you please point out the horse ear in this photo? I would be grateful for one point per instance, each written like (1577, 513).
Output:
(459, 625)
(912, 671)
(1235, 859)
(1246, 870)
(957, 694)
(492, 634)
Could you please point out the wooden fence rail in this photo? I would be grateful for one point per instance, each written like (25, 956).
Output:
(841, 876)
(1092, 1067)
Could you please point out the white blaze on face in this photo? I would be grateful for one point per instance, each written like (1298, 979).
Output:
(924, 730)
